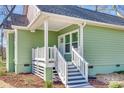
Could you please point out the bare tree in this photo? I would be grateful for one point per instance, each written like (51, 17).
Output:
(6, 11)
(119, 10)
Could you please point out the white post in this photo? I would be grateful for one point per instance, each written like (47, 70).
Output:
(54, 52)
(81, 33)
(46, 41)
(81, 40)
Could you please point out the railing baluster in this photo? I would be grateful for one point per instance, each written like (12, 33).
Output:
(80, 63)
(61, 66)
(54, 54)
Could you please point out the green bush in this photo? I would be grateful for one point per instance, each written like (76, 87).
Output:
(48, 84)
(114, 85)
(119, 72)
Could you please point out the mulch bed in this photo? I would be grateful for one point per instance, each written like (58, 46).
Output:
(97, 84)
(26, 81)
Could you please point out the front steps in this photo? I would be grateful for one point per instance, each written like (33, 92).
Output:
(75, 78)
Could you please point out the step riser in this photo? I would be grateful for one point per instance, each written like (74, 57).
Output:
(78, 85)
(76, 79)
(73, 75)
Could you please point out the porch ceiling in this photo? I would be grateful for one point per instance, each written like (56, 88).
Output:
(55, 24)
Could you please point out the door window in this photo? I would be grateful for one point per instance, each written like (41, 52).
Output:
(67, 43)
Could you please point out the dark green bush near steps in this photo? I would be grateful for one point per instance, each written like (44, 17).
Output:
(119, 72)
(48, 84)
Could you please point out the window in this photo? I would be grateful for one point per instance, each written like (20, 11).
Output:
(75, 40)
(67, 43)
(61, 40)
(71, 39)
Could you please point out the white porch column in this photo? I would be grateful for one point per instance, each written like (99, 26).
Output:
(46, 41)
(81, 37)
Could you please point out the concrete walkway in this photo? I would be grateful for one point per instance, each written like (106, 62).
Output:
(5, 85)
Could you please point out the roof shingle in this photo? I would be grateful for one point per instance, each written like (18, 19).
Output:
(16, 19)
(75, 11)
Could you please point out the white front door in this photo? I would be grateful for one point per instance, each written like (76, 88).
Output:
(61, 44)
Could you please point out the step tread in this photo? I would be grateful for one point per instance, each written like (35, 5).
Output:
(72, 73)
(80, 78)
(72, 68)
(78, 83)
(74, 77)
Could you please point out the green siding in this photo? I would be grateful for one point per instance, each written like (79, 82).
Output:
(103, 47)
(27, 40)
(10, 52)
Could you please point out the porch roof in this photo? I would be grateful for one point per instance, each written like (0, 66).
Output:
(77, 12)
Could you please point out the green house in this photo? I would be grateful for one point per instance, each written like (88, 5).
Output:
(68, 42)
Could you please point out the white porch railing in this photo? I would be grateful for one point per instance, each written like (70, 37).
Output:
(38, 54)
(61, 66)
(80, 63)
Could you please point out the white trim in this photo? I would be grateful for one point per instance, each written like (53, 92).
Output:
(20, 27)
(8, 30)
(36, 8)
(16, 47)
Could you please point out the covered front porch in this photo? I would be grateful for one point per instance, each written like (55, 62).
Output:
(69, 37)
(50, 43)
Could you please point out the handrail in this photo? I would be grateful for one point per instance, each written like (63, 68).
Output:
(80, 63)
(61, 66)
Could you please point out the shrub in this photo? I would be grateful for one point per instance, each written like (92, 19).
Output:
(48, 84)
(119, 72)
(114, 85)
